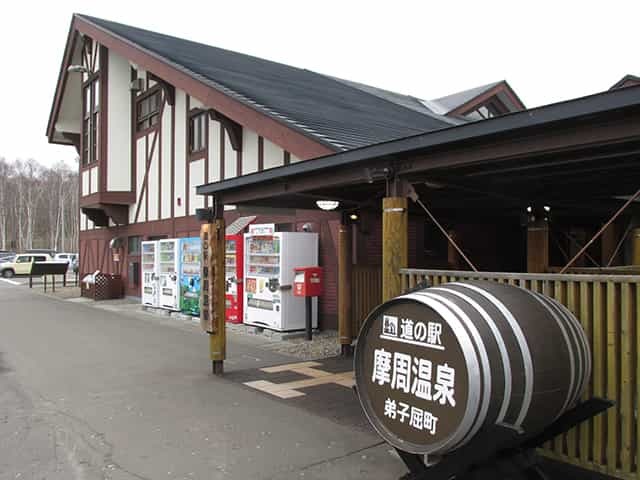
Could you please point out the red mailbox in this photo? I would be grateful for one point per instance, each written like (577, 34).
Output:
(307, 281)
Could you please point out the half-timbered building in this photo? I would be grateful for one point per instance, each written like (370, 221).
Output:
(153, 116)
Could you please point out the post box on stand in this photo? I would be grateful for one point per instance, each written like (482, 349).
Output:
(307, 282)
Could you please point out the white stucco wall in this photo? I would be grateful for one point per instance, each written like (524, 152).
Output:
(230, 159)
(118, 124)
(93, 176)
(196, 177)
(249, 151)
(165, 163)
(85, 183)
(153, 179)
(214, 151)
(273, 155)
(180, 148)
(140, 166)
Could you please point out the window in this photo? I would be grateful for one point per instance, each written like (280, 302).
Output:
(39, 259)
(197, 132)
(90, 121)
(148, 110)
(133, 245)
(25, 259)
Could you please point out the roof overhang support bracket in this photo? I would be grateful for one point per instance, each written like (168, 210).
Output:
(169, 90)
(234, 129)
(74, 138)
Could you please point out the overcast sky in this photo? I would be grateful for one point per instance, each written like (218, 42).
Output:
(547, 51)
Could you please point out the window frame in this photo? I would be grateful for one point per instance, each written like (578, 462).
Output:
(197, 113)
(91, 119)
(156, 90)
(138, 239)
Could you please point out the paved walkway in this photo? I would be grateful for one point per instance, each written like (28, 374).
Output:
(105, 391)
(100, 393)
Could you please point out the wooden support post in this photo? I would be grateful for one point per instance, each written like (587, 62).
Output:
(214, 235)
(454, 259)
(538, 246)
(344, 288)
(395, 247)
(608, 244)
(635, 246)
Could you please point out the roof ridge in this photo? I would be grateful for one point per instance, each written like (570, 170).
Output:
(350, 84)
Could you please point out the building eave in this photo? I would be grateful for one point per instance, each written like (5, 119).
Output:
(502, 125)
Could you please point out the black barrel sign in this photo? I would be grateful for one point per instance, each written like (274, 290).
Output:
(435, 366)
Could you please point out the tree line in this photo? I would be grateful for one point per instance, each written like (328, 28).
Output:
(38, 206)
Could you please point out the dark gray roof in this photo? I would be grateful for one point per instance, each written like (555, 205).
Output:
(453, 101)
(627, 78)
(335, 112)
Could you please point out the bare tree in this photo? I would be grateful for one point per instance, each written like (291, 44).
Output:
(5, 170)
(38, 206)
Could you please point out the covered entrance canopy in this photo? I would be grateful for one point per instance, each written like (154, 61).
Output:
(580, 159)
(579, 156)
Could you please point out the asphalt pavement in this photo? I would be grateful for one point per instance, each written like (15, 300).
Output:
(90, 393)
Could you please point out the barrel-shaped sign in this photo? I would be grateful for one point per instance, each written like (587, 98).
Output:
(435, 366)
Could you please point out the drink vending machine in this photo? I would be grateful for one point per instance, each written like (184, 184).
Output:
(269, 261)
(149, 267)
(234, 274)
(169, 267)
(190, 255)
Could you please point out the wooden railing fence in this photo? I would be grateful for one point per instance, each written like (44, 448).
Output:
(366, 293)
(608, 307)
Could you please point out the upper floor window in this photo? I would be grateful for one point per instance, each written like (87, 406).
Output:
(90, 121)
(148, 110)
(197, 132)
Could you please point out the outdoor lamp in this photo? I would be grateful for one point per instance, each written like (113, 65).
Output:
(327, 204)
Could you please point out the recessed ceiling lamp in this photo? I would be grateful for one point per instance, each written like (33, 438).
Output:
(327, 204)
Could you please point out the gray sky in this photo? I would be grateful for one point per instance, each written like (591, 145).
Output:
(548, 51)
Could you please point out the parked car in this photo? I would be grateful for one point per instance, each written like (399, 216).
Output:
(21, 264)
(70, 258)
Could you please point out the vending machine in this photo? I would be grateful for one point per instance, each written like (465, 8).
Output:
(234, 270)
(149, 266)
(269, 261)
(190, 253)
(169, 264)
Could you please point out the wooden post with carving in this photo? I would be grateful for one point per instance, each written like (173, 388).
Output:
(213, 289)
(395, 246)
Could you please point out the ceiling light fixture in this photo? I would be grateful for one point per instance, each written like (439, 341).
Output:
(327, 204)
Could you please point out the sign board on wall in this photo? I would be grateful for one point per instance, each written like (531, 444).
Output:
(262, 229)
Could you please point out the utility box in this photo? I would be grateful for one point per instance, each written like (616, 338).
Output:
(307, 281)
